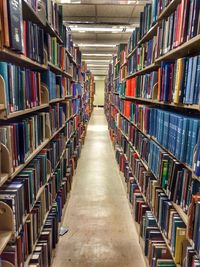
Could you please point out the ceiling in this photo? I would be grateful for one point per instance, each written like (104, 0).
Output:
(98, 26)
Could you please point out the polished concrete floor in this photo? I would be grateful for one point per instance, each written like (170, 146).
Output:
(101, 229)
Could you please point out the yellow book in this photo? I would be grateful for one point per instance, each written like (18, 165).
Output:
(179, 77)
(180, 237)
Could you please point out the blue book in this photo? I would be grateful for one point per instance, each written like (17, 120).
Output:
(166, 129)
(166, 82)
(197, 161)
(197, 83)
(192, 87)
(184, 139)
(4, 74)
(179, 137)
(188, 87)
(189, 141)
(194, 137)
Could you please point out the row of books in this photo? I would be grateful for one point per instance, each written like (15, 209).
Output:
(172, 176)
(33, 38)
(177, 133)
(133, 40)
(166, 216)
(22, 87)
(143, 86)
(179, 27)
(143, 56)
(36, 221)
(178, 81)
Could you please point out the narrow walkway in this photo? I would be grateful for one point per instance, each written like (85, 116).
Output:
(101, 229)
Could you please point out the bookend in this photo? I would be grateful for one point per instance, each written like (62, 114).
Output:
(7, 264)
(49, 169)
(3, 111)
(44, 94)
(6, 225)
(6, 165)
(155, 91)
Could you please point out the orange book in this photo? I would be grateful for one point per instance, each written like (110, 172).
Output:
(133, 86)
(128, 87)
(4, 23)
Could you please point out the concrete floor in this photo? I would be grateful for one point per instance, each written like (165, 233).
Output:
(101, 229)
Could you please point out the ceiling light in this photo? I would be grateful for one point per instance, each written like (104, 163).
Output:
(96, 65)
(97, 55)
(97, 60)
(69, 2)
(97, 45)
(100, 29)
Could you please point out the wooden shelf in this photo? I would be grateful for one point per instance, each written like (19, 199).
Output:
(67, 74)
(124, 64)
(156, 102)
(69, 54)
(188, 48)
(169, 9)
(163, 148)
(132, 52)
(55, 68)
(49, 29)
(118, 61)
(35, 153)
(19, 59)
(30, 14)
(147, 69)
(5, 237)
(149, 34)
(23, 112)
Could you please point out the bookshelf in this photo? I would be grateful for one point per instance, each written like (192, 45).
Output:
(46, 98)
(140, 153)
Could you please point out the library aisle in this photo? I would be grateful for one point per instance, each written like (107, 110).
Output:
(101, 230)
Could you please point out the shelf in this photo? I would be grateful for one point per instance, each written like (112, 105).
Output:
(118, 61)
(22, 112)
(69, 54)
(188, 48)
(49, 29)
(30, 14)
(124, 64)
(19, 59)
(149, 34)
(67, 74)
(5, 237)
(147, 69)
(169, 9)
(156, 102)
(163, 148)
(35, 153)
(132, 52)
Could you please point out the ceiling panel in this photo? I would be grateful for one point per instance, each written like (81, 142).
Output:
(116, 11)
(79, 10)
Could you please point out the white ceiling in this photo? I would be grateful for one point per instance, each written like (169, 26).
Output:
(101, 14)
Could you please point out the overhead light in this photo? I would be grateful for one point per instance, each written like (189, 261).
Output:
(101, 29)
(97, 60)
(69, 2)
(81, 31)
(97, 45)
(97, 55)
(96, 65)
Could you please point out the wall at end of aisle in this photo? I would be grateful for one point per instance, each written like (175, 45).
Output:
(99, 91)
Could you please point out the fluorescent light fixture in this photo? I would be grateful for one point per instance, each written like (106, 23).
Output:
(97, 55)
(96, 65)
(101, 29)
(97, 60)
(97, 45)
(69, 2)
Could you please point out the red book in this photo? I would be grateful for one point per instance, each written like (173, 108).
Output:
(133, 86)
(128, 87)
